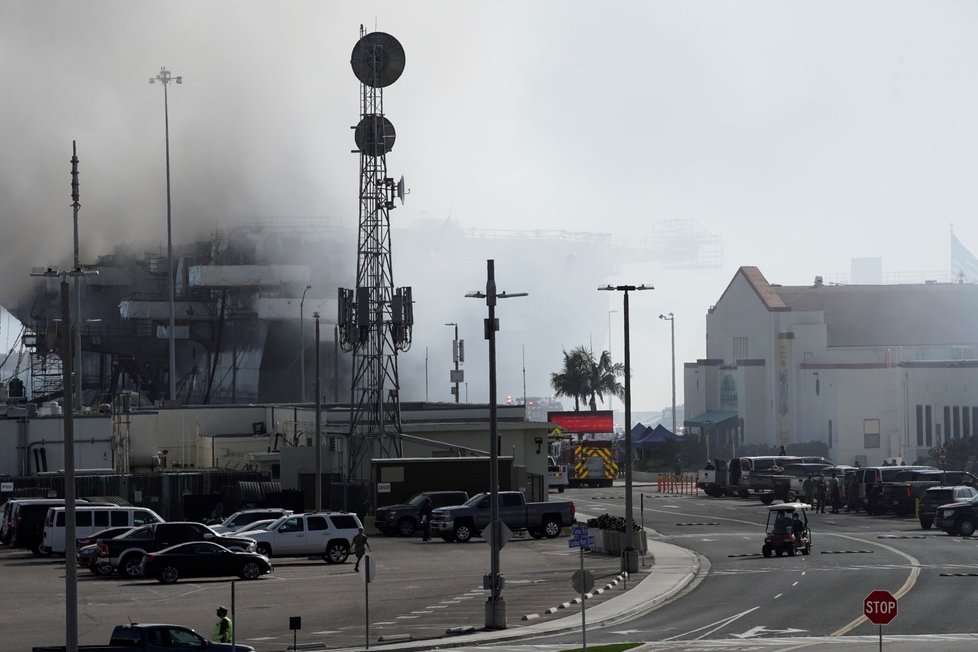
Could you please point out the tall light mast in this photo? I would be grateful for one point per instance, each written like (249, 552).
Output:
(375, 319)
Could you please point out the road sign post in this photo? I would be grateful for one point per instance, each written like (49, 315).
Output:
(880, 608)
(582, 580)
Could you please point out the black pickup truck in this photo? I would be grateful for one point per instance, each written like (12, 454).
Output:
(405, 519)
(462, 522)
(901, 494)
(125, 554)
(153, 638)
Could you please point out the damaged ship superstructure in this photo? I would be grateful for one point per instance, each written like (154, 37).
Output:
(239, 296)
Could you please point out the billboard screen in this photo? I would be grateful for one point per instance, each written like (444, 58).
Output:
(583, 422)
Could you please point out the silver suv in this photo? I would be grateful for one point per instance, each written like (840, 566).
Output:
(245, 516)
(324, 534)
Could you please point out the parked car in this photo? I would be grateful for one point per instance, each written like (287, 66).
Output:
(462, 522)
(325, 534)
(136, 637)
(27, 521)
(871, 479)
(248, 516)
(87, 552)
(125, 553)
(901, 494)
(203, 559)
(90, 519)
(257, 525)
(958, 518)
(934, 497)
(405, 519)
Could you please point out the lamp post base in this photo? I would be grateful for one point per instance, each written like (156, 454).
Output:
(629, 560)
(496, 613)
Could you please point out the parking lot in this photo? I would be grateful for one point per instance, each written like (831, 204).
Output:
(421, 589)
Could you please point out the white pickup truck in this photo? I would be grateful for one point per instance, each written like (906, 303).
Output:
(326, 534)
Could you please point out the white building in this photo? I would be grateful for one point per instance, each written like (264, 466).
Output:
(874, 371)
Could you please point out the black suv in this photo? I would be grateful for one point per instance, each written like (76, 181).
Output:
(958, 518)
(934, 497)
(406, 519)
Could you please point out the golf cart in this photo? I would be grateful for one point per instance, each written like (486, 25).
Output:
(787, 530)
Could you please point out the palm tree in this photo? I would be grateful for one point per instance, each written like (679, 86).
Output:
(586, 379)
(603, 379)
(572, 380)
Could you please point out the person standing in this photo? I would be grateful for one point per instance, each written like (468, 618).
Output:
(836, 493)
(808, 486)
(360, 548)
(224, 629)
(852, 493)
(820, 495)
(426, 519)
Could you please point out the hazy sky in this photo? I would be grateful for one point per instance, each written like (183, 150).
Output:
(804, 133)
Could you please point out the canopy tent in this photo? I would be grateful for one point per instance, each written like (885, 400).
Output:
(644, 436)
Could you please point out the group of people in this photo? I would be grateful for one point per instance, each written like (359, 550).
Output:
(821, 491)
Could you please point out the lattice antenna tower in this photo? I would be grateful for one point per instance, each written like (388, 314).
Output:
(375, 319)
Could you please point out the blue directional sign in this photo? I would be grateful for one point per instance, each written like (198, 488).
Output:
(578, 542)
(579, 530)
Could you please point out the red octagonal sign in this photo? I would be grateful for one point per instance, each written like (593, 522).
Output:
(880, 607)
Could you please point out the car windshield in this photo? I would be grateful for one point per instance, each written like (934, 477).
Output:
(135, 533)
(417, 500)
(474, 500)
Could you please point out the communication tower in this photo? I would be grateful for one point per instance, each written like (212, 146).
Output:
(375, 319)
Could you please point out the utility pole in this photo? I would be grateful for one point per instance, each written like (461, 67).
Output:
(672, 329)
(302, 345)
(319, 424)
(458, 355)
(76, 205)
(496, 605)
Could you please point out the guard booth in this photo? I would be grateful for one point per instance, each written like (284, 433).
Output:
(395, 480)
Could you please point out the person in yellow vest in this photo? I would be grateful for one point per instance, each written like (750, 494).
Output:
(224, 629)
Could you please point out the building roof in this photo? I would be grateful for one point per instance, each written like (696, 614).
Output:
(926, 314)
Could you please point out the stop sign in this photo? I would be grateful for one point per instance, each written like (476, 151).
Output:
(880, 607)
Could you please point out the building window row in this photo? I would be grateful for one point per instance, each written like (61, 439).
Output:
(960, 421)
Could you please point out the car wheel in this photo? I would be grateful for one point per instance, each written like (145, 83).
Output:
(168, 575)
(766, 551)
(925, 524)
(100, 569)
(767, 499)
(336, 552)
(406, 527)
(131, 566)
(265, 549)
(966, 527)
(551, 528)
(462, 533)
(790, 549)
(807, 550)
(250, 571)
(560, 490)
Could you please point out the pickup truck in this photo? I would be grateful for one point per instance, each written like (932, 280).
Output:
(405, 519)
(901, 495)
(153, 638)
(462, 522)
(125, 554)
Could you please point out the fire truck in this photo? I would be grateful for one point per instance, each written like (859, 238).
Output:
(591, 463)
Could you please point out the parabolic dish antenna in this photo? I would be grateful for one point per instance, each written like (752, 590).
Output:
(374, 135)
(377, 59)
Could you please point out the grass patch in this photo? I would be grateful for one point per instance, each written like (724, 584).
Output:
(614, 647)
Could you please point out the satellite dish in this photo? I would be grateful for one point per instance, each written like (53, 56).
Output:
(374, 135)
(377, 59)
(401, 192)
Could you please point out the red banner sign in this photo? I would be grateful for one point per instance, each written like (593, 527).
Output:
(583, 422)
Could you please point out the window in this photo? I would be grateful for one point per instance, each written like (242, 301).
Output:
(511, 500)
(739, 348)
(920, 426)
(139, 517)
(291, 525)
(120, 518)
(957, 422)
(871, 433)
(317, 523)
(927, 426)
(965, 422)
(83, 519)
(344, 522)
(61, 519)
(947, 422)
(101, 518)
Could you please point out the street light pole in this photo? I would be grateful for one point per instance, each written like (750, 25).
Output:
(165, 77)
(611, 396)
(319, 420)
(630, 558)
(302, 346)
(495, 606)
(672, 330)
(456, 356)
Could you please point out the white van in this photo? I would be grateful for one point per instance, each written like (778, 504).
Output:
(89, 520)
